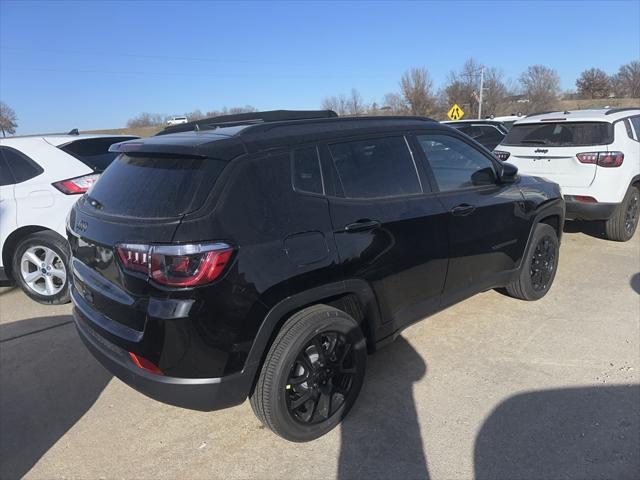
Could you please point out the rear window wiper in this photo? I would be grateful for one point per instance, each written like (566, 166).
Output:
(537, 142)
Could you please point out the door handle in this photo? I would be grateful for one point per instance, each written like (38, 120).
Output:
(463, 210)
(361, 226)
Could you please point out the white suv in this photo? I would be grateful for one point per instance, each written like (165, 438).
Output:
(593, 154)
(40, 179)
(177, 121)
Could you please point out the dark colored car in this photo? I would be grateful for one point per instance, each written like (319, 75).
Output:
(488, 133)
(262, 257)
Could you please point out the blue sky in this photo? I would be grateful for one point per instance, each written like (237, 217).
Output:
(96, 64)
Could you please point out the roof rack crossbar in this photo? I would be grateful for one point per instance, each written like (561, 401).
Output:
(248, 119)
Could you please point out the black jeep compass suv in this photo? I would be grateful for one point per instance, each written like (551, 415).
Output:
(264, 255)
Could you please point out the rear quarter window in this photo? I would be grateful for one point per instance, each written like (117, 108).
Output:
(22, 167)
(155, 187)
(307, 175)
(94, 152)
(560, 134)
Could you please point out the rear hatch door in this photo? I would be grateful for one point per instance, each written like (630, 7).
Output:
(138, 200)
(549, 149)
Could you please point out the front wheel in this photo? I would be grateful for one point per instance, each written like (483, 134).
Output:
(622, 225)
(539, 266)
(312, 374)
(41, 267)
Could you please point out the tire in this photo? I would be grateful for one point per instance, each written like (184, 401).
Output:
(622, 225)
(45, 253)
(539, 265)
(296, 398)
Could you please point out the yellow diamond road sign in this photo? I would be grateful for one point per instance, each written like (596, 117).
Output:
(455, 113)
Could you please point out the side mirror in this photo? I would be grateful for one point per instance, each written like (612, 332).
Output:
(507, 172)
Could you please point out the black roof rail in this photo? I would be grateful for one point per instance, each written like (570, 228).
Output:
(540, 113)
(622, 109)
(248, 119)
(265, 126)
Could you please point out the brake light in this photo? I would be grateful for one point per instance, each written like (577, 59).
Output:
(176, 265)
(77, 185)
(602, 159)
(500, 155)
(145, 364)
(584, 199)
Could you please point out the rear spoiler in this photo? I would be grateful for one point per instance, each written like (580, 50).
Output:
(220, 147)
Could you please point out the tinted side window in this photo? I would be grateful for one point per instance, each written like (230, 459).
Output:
(6, 177)
(636, 126)
(22, 167)
(307, 176)
(490, 134)
(456, 164)
(379, 167)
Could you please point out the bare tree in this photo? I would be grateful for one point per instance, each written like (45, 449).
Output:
(194, 115)
(394, 104)
(626, 82)
(8, 119)
(593, 83)
(463, 87)
(146, 120)
(416, 86)
(496, 93)
(230, 111)
(355, 103)
(541, 85)
(339, 104)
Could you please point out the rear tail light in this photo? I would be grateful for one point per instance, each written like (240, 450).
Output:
(77, 185)
(145, 364)
(176, 265)
(584, 199)
(500, 155)
(602, 159)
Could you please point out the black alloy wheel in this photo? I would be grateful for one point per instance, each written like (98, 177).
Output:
(321, 378)
(543, 264)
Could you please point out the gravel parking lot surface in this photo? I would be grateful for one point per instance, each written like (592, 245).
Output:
(490, 388)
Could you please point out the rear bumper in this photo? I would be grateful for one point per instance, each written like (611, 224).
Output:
(203, 394)
(589, 211)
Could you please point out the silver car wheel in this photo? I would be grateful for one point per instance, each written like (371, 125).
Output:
(43, 270)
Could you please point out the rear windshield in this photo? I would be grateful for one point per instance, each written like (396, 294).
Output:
(155, 187)
(94, 152)
(560, 134)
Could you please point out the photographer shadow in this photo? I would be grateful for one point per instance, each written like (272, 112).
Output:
(381, 438)
(589, 432)
(48, 381)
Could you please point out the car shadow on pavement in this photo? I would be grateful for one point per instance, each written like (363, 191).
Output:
(591, 432)
(592, 228)
(380, 438)
(48, 381)
(635, 283)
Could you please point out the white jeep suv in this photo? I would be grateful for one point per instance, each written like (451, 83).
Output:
(40, 179)
(593, 154)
